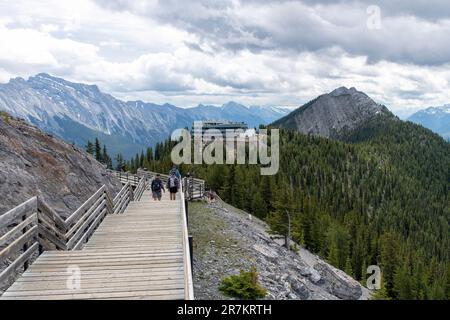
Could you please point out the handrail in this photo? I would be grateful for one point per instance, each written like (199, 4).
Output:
(140, 188)
(14, 244)
(123, 198)
(188, 282)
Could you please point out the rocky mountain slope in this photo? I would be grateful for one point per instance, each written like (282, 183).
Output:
(436, 119)
(227, 241)
(79, 112)
(34, 163)
(331, 114)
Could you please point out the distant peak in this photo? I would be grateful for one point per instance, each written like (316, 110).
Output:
(342, 91)
(17, 80)
(43, 75)
(436, 110)
(46, 79)
(233, 104)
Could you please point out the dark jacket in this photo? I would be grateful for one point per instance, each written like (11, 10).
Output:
(157, 185)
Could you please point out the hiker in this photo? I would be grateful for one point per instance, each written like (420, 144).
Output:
(173, 184)
(175, 171)
(157, 186)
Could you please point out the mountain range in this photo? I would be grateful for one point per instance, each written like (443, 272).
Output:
(78, 112)
(436, 119)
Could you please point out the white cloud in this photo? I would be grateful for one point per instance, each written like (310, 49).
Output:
(256, 52)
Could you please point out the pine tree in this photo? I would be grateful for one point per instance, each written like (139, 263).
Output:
(333, 256)
(90, 148)
(149, 155)
(141, 159)
(98, 150)
(106, 158)
(389, 259)
(381, 294)
(278, 219)
(120, 163)
(403, 286)
(259, 208)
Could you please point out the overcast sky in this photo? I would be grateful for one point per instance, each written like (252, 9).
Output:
(253, 52)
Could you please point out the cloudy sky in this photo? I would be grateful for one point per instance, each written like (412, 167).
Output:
(254, 52)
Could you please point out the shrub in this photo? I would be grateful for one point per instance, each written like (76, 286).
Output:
(243, 286)
(5, 116)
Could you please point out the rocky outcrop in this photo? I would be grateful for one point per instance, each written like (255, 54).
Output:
(331, 114)
(34, 163)
(338, 282)
(226, 241)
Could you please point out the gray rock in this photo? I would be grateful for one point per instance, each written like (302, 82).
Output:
(299, 288)
(314, 276)
(339, 283)
(34, 163)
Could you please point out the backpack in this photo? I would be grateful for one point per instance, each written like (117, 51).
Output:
(156, 185)
(172, 182)
(174, 172)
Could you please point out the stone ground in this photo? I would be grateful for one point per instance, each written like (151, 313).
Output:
(228, 240)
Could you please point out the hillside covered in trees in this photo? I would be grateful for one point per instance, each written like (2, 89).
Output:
(379, 196)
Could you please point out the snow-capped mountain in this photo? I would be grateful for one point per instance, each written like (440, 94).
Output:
(79, 112)
(436, 119)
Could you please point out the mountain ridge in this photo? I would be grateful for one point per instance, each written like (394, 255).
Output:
(57, 106)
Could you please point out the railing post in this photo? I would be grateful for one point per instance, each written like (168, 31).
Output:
(187, 210)
(131, 192)
(40, 247)
(25, 246)
(191, 249)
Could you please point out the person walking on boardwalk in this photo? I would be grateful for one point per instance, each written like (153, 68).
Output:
(157, 186)
(175, 171)
(173, 183)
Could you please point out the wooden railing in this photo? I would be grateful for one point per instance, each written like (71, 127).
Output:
(123, 198)
(193, 188)
(140, 188)
(33, 227)
(84, 221)
(22, 240)
(188, 282)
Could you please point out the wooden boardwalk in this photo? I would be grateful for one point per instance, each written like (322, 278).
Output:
(139, 254)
